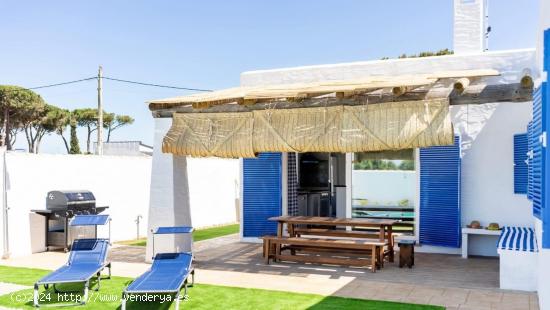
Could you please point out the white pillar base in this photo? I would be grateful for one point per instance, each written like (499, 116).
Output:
(169, 201)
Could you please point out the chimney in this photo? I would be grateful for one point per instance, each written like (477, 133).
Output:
(470, 26)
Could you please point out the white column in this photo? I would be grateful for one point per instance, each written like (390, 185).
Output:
(169, 202)
(464, 245)
(543, 271)
(349, 184)
(469, 26)
(284, 183)
(544, 23)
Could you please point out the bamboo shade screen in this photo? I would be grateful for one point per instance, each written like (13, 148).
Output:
(376, 127)
(210, 134)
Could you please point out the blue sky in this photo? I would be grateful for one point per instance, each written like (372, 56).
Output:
(206, 44)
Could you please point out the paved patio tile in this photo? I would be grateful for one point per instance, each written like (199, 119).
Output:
(474, 307)
(445, 280)
(421, 299)
(7, 288)
(444, 301)
(515, 301)
(505, 306)
(482, 297)
(428, 290)
(388, 297)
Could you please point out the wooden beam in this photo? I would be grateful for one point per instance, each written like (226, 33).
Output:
(243, 101)
(460, 85)
(474, 94)
(527, 81)
(401, 90)
(344, 94)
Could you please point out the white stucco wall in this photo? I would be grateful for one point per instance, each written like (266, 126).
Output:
(487, 192)
(213, 190)
(121, 182)
(384, 187)
(511, 65)
(543, 272)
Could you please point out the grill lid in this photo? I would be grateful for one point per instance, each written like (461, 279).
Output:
(72, 198)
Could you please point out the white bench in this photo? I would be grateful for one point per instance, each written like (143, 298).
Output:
(517, 247)
(475, 231)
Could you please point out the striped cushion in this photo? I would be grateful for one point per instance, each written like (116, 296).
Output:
(517, 239)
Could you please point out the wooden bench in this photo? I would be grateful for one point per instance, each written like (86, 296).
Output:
(345, 234)
(372, 248)
(267, 245)
(335, 233)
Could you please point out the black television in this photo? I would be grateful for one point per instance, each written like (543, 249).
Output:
(313, 173)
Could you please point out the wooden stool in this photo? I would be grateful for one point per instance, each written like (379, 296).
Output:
(406, 253)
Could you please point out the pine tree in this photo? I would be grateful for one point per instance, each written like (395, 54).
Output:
(75, 147)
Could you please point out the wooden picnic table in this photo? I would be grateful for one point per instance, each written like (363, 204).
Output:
(384, 226)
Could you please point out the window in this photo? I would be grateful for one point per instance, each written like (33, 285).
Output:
(384, 186)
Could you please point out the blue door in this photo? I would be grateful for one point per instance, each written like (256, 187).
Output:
(261, 194)
(440, 195)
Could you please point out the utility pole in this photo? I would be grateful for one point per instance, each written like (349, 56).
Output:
(99, 149)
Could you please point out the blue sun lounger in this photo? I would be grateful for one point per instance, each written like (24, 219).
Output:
(87, 259)
(167, 275)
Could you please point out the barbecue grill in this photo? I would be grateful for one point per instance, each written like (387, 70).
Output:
(61, 206)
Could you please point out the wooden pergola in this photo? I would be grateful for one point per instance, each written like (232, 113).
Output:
(460, 87)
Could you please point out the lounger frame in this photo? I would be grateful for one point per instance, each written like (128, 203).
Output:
(82, 220)
(86, 283)
(184, 284)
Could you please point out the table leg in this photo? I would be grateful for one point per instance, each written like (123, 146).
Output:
(291, 233)
(374, 255)
(267, 250)
(390, 242)
(280, 235)
(382, 233)
(291, 230)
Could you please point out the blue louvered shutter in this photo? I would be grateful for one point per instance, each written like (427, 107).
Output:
(261, 194)
(530, 161)
(537, 161)
(520, 163)
(440, 195)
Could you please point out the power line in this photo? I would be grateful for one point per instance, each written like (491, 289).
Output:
(54, 85)
(111, 79)
(155, 85)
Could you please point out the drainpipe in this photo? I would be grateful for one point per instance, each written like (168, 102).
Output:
(6, 250)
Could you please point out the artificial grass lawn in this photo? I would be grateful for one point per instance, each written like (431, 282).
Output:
(198, 235)
(201, 296)
(214, 232)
